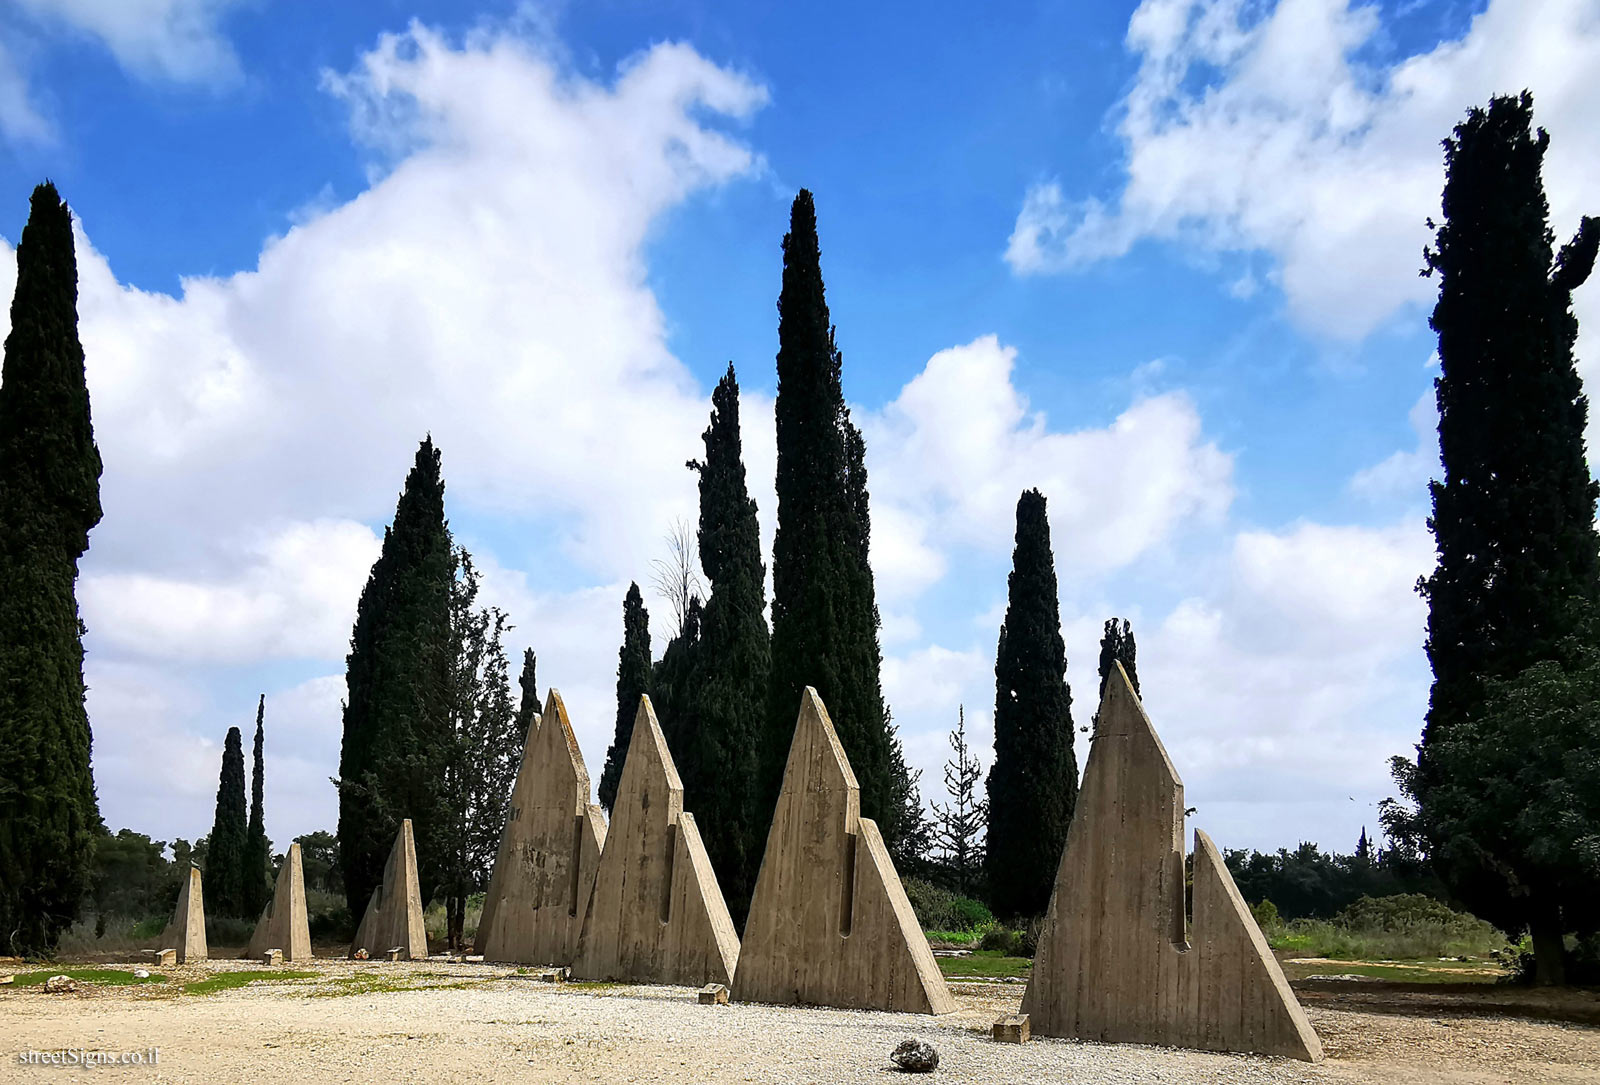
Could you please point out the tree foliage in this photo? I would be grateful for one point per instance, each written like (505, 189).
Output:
(1518, 568)
(1117, 646)
(1033, 784)
(959, 824)
(633, 682)
(396, 718)
(256, 871)
(482, 755)
(226, 846)
(719, 756)
(49, 501)
(528, 704)
(824, 611)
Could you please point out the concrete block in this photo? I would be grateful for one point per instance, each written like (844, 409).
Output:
(829, 922)
(394, 912)
(552, 975)
(165, 958)
(549, 852)
(272, 957)
(656, 914)
(1117, 961)
(283, 921)
(187, 931)
(713, 994)
(397, 954)
(1012, 1029)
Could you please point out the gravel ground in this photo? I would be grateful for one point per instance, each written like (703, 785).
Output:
(490, 1025)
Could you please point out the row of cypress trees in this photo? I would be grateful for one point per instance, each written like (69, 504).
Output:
(238, 862)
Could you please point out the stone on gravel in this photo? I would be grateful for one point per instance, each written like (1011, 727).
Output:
(60, 985)
(1012, 1029)
(141, 973)
(916, 1057)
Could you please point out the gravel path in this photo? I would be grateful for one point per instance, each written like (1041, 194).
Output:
(489, 1025)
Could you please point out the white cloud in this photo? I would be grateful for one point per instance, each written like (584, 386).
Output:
(180, 41)
(1405, 474)
(949, 456)
(20, 119)
(1274, 129)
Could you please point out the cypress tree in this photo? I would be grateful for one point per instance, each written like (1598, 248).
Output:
(1117, 646)
(226, 846)
(397, 712)
(49, 501)
(720, 760)
(1033, 783)
(1513, 516)
(824, 615)
(672, 679)
(258, 849)
(529, 705)
(633, 682)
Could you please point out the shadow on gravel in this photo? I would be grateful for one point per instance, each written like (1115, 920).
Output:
(1570, 1005)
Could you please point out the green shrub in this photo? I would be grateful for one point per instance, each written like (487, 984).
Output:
(969, 914)
(931, 905)
(1266, 915)
(228, 931)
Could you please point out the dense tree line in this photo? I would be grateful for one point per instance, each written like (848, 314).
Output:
(1308, 883)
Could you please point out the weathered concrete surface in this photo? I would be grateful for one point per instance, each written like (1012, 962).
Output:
(545, 869)
(394, 914)
(1115, 961)
(283, 923)
(829, 923)
(657, 914)
(187, 931)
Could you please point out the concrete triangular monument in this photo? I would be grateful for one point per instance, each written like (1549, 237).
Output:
(829, 923)
(1117, 960)
(544, 871)
(283, 923)
(187, 931)
(393, 919)
(657, 913)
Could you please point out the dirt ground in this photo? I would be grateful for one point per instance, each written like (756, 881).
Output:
(437, 1021)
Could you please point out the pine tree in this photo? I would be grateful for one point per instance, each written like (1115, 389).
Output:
(49, 501)
(257, 867)
(226, 846)
(1518, 569)
(529, 705)
(1117, 646)
(959, 824)
(824, 615)
(396, 717)
(1033, 784)
(633, 682)
(720, 759)
(483, 754)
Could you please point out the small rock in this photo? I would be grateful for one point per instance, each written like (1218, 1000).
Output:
(6, 979)
(359, 955)
(141, 973)
(60, 985)
(916, 1056)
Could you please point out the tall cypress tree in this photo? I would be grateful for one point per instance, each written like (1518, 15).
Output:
(1033, 783)
(396, 715)
(49, 500)
(1513, 517)
(633, 682)
(529, 705)
(824, 615)
(720, 760)
(226, 846)
(257, 866)
(672, 679)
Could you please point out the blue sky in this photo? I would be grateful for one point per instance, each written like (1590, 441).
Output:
(1158, 260)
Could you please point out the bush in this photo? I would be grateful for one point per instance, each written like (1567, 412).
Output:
(1004, 940)
(1266, 915)
(1401, 927)
(931, 905)
(228, 931)
(969, 914)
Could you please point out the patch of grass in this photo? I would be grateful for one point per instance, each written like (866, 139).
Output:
(984, 964)
(590, 986)
(105, 977)
(955, 938)
(1424, 942)
(382, 983)
(227, 981)
(1396, 971)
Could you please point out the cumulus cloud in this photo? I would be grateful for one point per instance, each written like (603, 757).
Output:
(179, 41)
(1280, 129)
(20, 118)
(1405, 473)
(949, 455)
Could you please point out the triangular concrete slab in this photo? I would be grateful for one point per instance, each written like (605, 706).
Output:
(394, 913)
(657, 914)
(829, 923)
(549, 853)
(1116, 960)
(283, 923)
(187, 931)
